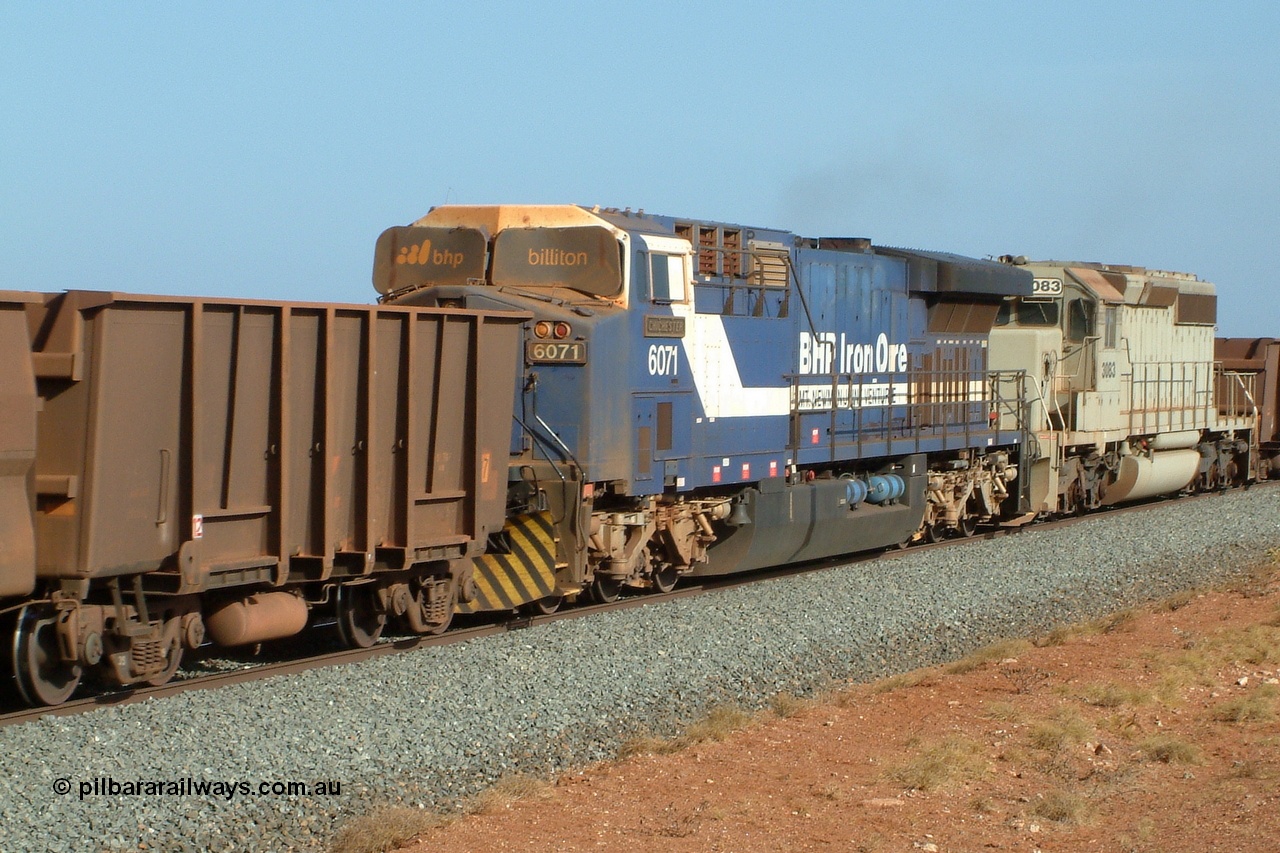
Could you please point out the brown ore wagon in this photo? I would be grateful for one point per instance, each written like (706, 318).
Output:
(176, 468)
(1260, 358)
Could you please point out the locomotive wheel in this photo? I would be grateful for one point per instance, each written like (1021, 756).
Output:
(545, 606)
(1210, 478)
(360, 615)
(664, 579)
(932, 533)
(967, 526)
(43, 677)
(605, 590)
(1075, 504)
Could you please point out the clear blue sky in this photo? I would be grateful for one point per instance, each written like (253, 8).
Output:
(257, 149)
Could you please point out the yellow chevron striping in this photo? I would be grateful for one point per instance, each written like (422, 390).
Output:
(530, 548)
(504, 576)
(488, 594)
(505, 581)
(497, 585)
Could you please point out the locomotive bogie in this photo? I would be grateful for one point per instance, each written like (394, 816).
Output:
(964, 492)
(655, 540)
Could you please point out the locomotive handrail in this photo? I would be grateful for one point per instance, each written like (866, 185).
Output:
(941, 404)
(542, 442)
(1044, 404)
(1051, 379)
(1022, 411)
(794, 280)
(1230, 406)
(750, 276)
(1179, 401)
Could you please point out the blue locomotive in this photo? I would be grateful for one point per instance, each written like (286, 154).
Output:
(698, 398)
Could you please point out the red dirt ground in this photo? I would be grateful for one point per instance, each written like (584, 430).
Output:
(1154, 731)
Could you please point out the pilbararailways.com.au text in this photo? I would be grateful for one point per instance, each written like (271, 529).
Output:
(229, 789)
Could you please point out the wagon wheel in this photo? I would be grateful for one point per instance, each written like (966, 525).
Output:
(43, 677)
(605, 590)
(360, 615)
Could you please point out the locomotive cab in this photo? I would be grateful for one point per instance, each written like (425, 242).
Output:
(1057, 329)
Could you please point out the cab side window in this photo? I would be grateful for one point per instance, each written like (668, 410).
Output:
(640, 275)
(1038, 313)
(1080, 320)
(1005, 315)
(1111, 327)
(666, 278)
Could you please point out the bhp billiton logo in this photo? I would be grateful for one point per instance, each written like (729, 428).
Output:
(422, 254)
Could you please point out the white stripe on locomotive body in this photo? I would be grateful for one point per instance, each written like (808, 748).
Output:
(714, 369)
(871, 395)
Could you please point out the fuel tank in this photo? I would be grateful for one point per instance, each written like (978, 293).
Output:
(1145, 477)
(794, 522)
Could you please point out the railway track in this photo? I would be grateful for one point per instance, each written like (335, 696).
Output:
(396, 645)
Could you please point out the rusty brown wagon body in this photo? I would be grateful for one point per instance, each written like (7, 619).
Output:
(18, 404)
(1258, 358)
(232, 463)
